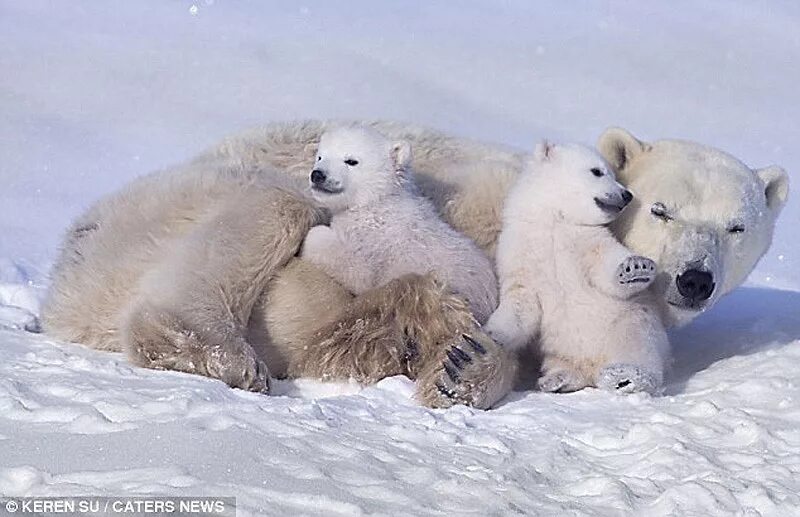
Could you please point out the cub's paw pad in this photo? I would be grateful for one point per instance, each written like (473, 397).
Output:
(627, 378)
(560, 381)
(636, 271)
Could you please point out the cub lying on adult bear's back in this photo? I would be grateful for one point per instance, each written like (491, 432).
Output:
(382, 228)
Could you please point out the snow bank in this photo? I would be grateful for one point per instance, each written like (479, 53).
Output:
(93, 94)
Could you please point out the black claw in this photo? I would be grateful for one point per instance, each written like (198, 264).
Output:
(474, 344)
(444, 391)
(451, 372)
(412, 349)
(465, 357)
(455, 359)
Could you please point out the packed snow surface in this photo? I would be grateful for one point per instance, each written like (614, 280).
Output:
(93, 94)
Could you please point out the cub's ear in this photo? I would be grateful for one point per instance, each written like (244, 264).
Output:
(619, 147)
(776, 185)
(401, 155)
(543, 151)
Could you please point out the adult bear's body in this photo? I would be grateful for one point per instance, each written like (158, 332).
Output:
(118, 283)
(168, 270)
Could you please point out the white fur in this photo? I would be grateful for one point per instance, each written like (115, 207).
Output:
(160, 223)
(563, 276)
(707, 193)
(382, 228)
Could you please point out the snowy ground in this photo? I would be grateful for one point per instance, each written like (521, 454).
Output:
(95, 93)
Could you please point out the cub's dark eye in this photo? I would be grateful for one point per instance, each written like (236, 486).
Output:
(660, 210)
(597, 172)
(736, 228)
(319, 158)
(351, 162)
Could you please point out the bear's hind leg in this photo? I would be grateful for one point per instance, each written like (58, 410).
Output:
(559, 375)
(636, 357)
(627, 378)
(408, 326)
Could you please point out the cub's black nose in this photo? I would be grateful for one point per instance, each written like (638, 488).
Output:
(695, 285)
(627, 197)
(317, 176)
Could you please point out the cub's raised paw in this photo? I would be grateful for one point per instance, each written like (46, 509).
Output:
(475, 371)
(236, 365)
(560, 381)
(636, 272)
(627, 378)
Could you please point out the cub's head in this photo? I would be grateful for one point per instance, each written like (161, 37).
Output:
(577, 184)
(701, 214)
(356, 166)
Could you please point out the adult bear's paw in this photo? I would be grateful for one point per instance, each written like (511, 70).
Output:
(474, 371)
(627, 378)
(237, 365)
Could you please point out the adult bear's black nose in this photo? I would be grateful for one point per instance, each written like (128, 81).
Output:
(627, 197)
(695, 285)
(317, 177)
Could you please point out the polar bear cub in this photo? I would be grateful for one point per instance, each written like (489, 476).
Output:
(568, 284)
(382, 228)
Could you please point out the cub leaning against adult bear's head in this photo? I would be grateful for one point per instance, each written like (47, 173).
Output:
(705, 217)
(137, 282)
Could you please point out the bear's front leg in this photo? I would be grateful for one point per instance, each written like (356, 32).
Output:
(515, 321)
(320, 244)
(324, 249)
(635, 274)
(194, 306)
(615, 271)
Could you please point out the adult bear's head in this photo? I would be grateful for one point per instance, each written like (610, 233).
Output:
(701, 214)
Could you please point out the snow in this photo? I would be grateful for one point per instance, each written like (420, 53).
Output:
(93, 94)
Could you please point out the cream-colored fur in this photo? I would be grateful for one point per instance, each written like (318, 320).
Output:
(111, 248)
(192, 269)
(381, 228)
(719, 214)
(568, 287)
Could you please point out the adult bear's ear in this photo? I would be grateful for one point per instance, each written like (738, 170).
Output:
(401, 156)
(776, 186)
(619, 147)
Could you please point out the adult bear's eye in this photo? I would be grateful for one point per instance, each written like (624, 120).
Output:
(597, 172)
(660, 210)
(319, 158)
(736, 228)
(351, 162)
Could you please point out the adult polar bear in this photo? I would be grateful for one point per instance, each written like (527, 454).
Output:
(158, 269)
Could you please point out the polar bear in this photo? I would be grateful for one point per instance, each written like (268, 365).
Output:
(704, 216)
(381, 228)
(567, 282)
(303, 323)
